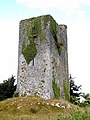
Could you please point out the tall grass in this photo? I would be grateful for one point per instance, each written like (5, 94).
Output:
(76, 115)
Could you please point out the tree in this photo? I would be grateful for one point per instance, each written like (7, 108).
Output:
(87, 98)
(7, 88)
(74, 91)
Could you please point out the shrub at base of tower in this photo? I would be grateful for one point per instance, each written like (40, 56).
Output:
(56, 89)
(66, 89)
(7, 88)
(74, 92)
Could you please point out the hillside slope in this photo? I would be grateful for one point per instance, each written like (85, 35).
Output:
(34, 108)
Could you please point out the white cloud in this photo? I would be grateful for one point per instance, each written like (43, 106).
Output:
(54, 3)
(41, 4)
(68, 6)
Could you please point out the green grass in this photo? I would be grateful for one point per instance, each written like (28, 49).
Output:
(66, 89)
(34, 108)
(56, 89)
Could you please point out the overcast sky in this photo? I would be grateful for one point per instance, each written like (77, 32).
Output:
(75, 14)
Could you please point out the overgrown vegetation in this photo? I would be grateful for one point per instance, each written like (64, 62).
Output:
(7, 88)
(16, 94)
(67, 91)
(76, 95)
(29, 51)
(46, 20)
(34, 30)
(74, 92)
(25, 108)
(56, 89)
(76, 115)
(53, 27)
(34, 108)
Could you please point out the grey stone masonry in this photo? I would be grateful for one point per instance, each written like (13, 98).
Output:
(43, 58)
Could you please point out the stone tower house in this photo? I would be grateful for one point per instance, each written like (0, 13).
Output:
(43, 58)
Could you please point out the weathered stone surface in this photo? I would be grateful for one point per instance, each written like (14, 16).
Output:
(43, 58)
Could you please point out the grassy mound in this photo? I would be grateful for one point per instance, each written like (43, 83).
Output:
(34, 108)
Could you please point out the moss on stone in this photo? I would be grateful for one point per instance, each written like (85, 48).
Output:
(56, 89)
(36, 26)
(59, 46)
(34, 30)
(46, 19)
(53, 28)
(66, 90)
(29, 51)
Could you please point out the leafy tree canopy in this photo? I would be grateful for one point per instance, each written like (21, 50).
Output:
(7, 88)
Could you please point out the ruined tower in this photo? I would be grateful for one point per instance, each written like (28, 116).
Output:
(43, 58)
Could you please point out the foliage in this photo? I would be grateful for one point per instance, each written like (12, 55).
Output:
(53, 28)
(29, 51)
(34, 30)
(24, 94)
(75, 95)
(67, 91)
(74, 92)
(46, 19)
(75, 100)
(76, 115)
(56, 89)
(86, 96)
(86, 102)
(16, 94)
(7, 88)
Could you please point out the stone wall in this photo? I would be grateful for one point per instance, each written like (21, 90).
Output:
(43, 58)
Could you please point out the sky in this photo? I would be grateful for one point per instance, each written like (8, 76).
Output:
(74, 14)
